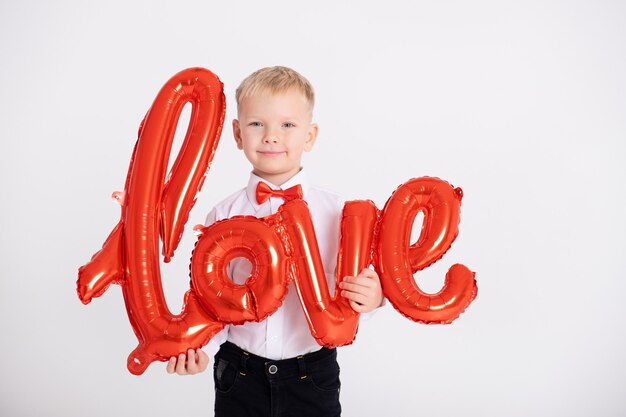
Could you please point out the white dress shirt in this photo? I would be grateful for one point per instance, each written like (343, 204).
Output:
(284, 334)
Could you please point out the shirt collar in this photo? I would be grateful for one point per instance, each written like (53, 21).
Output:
(299, 178)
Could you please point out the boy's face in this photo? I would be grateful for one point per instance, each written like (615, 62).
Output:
(273, 130)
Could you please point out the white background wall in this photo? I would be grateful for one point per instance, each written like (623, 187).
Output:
(522, 104)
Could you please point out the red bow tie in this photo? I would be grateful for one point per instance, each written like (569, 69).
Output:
(263, 192)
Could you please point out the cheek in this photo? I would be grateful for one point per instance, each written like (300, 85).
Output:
(249, 142)
(250, 153)
(293, 151)
(298, 143)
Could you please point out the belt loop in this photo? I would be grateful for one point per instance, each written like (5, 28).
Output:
(301, 366)
(244, 360)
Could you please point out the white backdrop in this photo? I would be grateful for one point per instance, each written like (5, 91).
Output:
(522, 104)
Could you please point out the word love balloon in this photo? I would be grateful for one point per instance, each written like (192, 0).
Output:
(281, 247)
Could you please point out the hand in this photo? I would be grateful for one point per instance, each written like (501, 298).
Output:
(193, 362)
(363, 291)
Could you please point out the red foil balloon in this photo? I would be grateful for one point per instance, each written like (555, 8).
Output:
(153, 206)
(257, 240)
(279, 247)
(331, 319)
(397, 260)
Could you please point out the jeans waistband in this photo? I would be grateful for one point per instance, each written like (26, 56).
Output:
(277, 368)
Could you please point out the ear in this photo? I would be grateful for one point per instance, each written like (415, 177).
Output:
(237, 134)
(311, 137)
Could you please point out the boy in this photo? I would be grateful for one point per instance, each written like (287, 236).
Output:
(275, 367)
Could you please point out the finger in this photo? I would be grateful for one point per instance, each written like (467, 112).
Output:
(181, 368)
(203, 360)
(355, 280)
(192, 364)
(360, 280)
(369, 274)
(358, 288)
(171, 365)
(359, 308)
(354, 296)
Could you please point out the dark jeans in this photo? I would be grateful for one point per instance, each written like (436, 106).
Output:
(249, 385)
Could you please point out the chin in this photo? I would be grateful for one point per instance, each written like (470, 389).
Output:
(274, 173)
(272, 170)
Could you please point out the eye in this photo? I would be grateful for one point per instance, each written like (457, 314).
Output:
(255, 124)
(289, 124)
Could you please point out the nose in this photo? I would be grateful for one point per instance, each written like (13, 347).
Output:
(270, 137)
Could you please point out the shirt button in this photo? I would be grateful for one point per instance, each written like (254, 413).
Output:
(272, 369)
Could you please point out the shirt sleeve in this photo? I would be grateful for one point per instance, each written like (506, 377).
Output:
(368, 316)
(211, 217)
(216, 341)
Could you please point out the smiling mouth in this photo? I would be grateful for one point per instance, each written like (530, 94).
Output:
(271, 153)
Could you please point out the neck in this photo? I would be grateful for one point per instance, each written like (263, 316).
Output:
(276, 179)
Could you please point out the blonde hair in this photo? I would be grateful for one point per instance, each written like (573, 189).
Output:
(275, 80)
